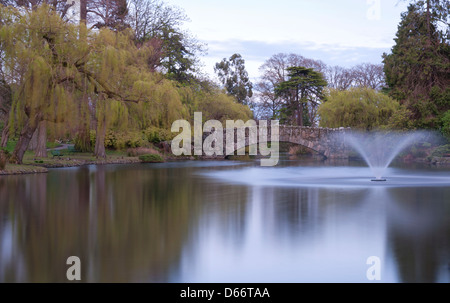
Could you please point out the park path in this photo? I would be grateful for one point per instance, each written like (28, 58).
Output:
(62, 147)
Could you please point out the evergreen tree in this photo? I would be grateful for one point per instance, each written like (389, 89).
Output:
(303, 93)
(234, 77)
(418, 68)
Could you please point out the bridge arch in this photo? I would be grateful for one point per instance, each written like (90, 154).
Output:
(325, 141)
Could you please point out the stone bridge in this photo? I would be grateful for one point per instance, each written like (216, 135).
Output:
(328, 142)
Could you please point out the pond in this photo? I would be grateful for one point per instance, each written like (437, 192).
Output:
(226, 221)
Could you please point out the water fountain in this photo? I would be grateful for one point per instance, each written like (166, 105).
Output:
(380, 149)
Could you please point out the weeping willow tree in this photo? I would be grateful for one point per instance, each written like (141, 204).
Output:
(360, 108)
(127, 95)
(52, 65)
(41, 55)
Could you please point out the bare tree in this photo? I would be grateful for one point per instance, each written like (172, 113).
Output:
(339, 78)
(369, 75)
(61, 6)
(107, 13)
(148, 18)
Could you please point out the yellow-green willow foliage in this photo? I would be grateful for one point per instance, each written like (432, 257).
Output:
(53, 67)
(214, 104)
(41, 58)
(222, 107)
(40, 54)
(362, 108)
(140, 98)
(64, 74)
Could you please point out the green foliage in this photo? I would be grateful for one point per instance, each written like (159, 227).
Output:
(217, 106)
(50, 145)
(10, 146)
(123, 140)
(302, 92)
(140, 151)
(441, 151)
(418, 67)
(401, 119)
(446, 124)
(151, 158)
(362, 108)
(157, 135)
(103, 79)
(233, 75)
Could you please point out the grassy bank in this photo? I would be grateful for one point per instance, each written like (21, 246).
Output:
(33, 165)
(13, 169)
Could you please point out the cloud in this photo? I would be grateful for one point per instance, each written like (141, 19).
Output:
(256, 52)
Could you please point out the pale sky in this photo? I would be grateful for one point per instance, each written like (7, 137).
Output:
(344, 32)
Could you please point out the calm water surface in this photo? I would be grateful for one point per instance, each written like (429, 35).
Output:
(226, 222)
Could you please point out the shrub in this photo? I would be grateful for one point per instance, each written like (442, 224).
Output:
(122, 140)
(157, 135)
(417, 152)
(140, 151)
(441, 151)
(446, 124)
(151, 158)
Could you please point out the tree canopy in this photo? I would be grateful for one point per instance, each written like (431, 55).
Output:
(302, 92)
(234, 77)
(360, 108)
(58, 77)
(418, 67)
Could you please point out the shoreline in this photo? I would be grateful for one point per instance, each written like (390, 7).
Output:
(39, 168)
(42, 168)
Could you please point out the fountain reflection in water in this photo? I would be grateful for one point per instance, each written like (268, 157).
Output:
(379, 149)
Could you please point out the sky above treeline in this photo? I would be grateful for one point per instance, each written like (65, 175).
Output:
(344, 32)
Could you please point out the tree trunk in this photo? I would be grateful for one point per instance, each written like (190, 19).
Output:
(24, 139)
(5, 135)
(429, 22)
(41, 147)
(83, 142)
(300, 109)
(83, 11)
(34, 141)
(100, 151)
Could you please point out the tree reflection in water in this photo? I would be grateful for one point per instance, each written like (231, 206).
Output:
(165, 223)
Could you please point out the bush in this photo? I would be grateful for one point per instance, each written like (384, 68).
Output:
(157, 135)
(441, 151)
(446, 124)
(151, 158)
(418, 152)
(140, 151)
(120, 140)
